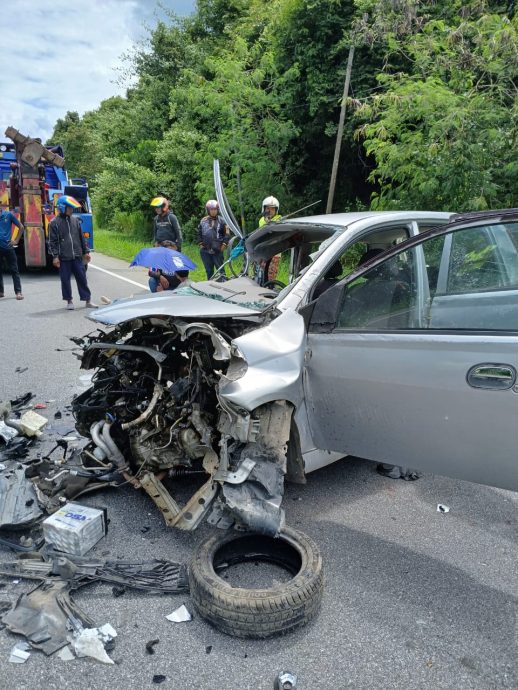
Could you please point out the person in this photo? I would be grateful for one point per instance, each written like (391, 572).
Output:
(70, 252)
(212, 238)
(7, 252)
(160, 280)
(166, 227)
(270, 212)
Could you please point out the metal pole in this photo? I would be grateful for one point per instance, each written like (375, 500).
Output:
(339, 134)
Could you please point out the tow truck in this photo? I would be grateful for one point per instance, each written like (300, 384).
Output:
(32, 178)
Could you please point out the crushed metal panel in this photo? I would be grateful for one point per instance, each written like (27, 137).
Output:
(19, 505)
(46, 615)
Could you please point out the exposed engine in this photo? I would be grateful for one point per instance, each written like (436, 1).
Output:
(153, 413)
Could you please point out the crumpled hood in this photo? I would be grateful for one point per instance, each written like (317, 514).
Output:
(167, 304)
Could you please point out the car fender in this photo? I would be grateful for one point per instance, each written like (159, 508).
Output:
(269, 362)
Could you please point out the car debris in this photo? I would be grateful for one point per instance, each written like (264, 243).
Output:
(397, 472)
(7, 433)
(18, 500)
(75, 528)
(159, 576)
(20, 653)
(150, 645)
(21, 370)
(32, 423)
(159, 678)
(441, 508)
(92, 642)
(180, 615)
(65, 654)
(285, 681)
(46, 615)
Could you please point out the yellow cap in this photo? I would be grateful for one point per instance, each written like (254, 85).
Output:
(158, 201)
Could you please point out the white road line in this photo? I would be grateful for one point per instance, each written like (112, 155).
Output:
(114, 275)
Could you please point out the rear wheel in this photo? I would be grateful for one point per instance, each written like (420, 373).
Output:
(257, 613)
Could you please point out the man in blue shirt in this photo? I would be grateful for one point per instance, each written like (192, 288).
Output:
(7, 251)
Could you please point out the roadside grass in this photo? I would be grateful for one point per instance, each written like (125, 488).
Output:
(125, 247)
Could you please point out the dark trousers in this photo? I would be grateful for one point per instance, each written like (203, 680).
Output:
(211, 261)
(9, 255)
(77, 268)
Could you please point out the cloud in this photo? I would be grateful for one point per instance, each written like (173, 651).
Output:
(63, 56)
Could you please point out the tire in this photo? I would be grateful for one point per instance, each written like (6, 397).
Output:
(257, 613)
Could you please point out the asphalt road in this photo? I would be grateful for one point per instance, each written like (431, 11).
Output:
(413, 598)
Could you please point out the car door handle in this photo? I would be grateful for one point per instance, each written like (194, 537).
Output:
(492, 376)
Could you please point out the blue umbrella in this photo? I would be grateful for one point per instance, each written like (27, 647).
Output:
(167, 260)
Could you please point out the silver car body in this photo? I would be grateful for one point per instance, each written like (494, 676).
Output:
(438, 396)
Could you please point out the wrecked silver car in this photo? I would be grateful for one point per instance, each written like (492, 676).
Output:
(395, 340)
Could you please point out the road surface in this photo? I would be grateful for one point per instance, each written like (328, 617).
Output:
(413, 598)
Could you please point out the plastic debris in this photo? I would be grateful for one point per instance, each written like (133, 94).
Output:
(32, 423)
(7, 432)
(90, 642)
(441, 508)
(180, 615)
(150, 645)
(39, 406)
(285, 681)
(20, 653)
(159, 678)
(208, 649)
(397, 472)
(66, 654)
(58, 414)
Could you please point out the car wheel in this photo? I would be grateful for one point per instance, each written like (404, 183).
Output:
(257, 613)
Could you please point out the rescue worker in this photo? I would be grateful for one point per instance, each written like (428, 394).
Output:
(270, 215)
(270, 211)
(212, 238)
(165, 224)
(70, 252)
(7, 251)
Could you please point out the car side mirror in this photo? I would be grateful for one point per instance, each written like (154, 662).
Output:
(321, 314)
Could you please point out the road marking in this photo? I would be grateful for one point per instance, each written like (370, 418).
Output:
(114, 275)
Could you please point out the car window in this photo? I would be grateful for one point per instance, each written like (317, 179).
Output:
(480, 267)
(359, 253)
(477, 261)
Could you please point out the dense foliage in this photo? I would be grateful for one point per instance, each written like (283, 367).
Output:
(431, 120)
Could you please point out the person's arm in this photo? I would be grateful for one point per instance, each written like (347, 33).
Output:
(20, 227)
(54, 243)
(177, 230)
(199, 236)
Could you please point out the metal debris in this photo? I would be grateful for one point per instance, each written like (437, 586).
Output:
(18, 501)
(180, 615)
(285, 681)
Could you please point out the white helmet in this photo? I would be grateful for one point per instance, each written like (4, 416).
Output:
(271, 201)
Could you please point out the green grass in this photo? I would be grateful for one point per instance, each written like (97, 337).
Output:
(125, 247)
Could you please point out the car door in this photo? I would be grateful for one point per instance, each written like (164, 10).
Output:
(414, 360)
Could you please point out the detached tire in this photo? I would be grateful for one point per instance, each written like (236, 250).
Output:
(257, 613)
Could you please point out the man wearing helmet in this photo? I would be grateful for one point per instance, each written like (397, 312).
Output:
(270, 215)
(70, 251)
(270, 211)
(166, 227)
(212, 238)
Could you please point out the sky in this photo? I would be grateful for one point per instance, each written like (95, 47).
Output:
(63, 55)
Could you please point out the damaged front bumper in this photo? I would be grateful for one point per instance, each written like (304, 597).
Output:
(173, 398)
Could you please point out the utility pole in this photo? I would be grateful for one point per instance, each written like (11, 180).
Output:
(339, 134)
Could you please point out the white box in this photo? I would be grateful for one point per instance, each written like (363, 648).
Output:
(75, 528)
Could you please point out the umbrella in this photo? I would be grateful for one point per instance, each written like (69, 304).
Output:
(167, 260)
